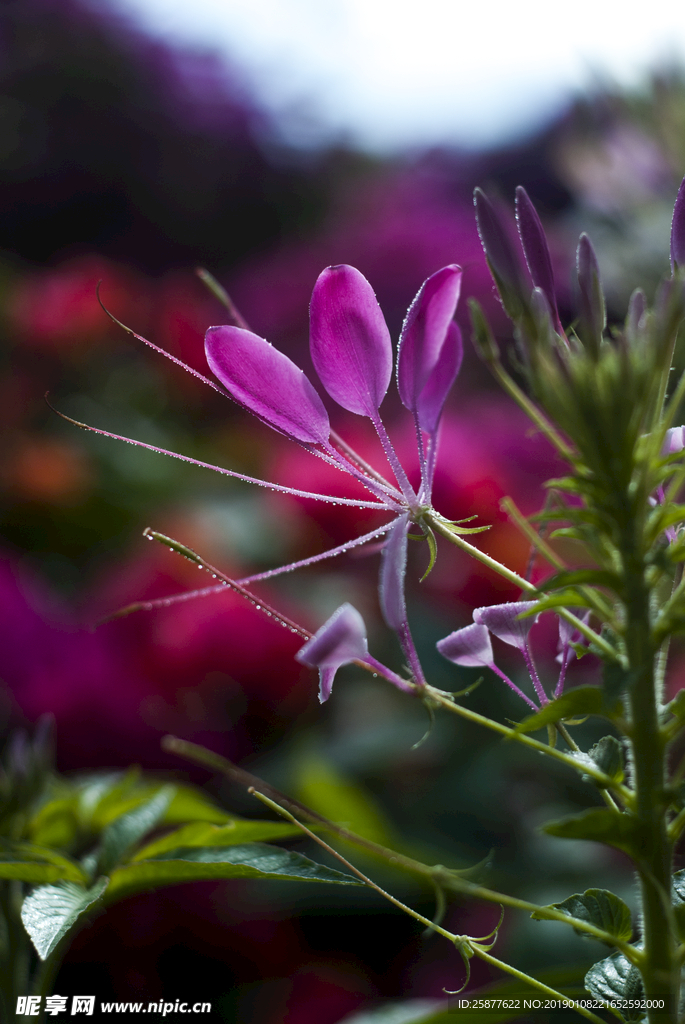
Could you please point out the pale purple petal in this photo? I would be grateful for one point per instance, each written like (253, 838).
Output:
(436, 389)
(674, 440)
(341, 640)
(393, 569)
(350, 341)
(266, 382)
(678, 230)
(503, 621)
(469, 646)
(424, 335)
(535, 249)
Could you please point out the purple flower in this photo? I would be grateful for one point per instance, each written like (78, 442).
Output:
(352, 353)
(471, 648)
(503, 620)
(341, 640)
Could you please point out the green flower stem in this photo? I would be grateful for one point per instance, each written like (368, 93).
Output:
(207, 758)
(442, 526)
(594, 597)
(550, 992)
(676, 826)
(444, 878)
(464, 943)
(350, 867)
(547, 913)
(583, 768)
(654, 850)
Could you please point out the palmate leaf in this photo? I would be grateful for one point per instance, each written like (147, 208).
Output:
(26, 862)
(599, 907)
(192, 864)
(50, 911)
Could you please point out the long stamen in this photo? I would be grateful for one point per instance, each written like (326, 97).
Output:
(331, 553)
(395, 464)
(565, 658)
(512, 685)
(355, 457)
(167, 602)
(530, 665)
(226, 472)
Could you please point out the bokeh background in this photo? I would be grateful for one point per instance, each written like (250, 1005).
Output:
(131, 157)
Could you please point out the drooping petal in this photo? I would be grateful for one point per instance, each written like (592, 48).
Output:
(469, 646)
(424, 338)
(503, 620)
(349, 340)
(266, 382)
(341, 640)
(393, 569)
(678, 230)
(536, 250)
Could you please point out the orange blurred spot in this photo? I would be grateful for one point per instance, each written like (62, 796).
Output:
(42, 469)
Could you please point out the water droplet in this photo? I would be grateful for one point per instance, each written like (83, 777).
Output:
(375, 675)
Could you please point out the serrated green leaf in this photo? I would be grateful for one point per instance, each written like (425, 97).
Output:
(26, 862)
(599, 907)
(607, 754)
(202, 833)
(582, 700)
(192, 864)
(615, 978)
(50, 911)
(125, 832)
(600, 825)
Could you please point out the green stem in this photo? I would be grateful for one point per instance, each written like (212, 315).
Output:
(512, 734)
(463, 942)
(660, 969)
(552, 993)
(445, 878)
(531, 410)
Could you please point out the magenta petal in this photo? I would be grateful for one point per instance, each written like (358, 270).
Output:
(349, 340)
(341, 639)
(423, 339)
(469, 646)
(535, 249)
(266, 382)
(393, 569)
(503, 621)
(678, 230)
(436, 389)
